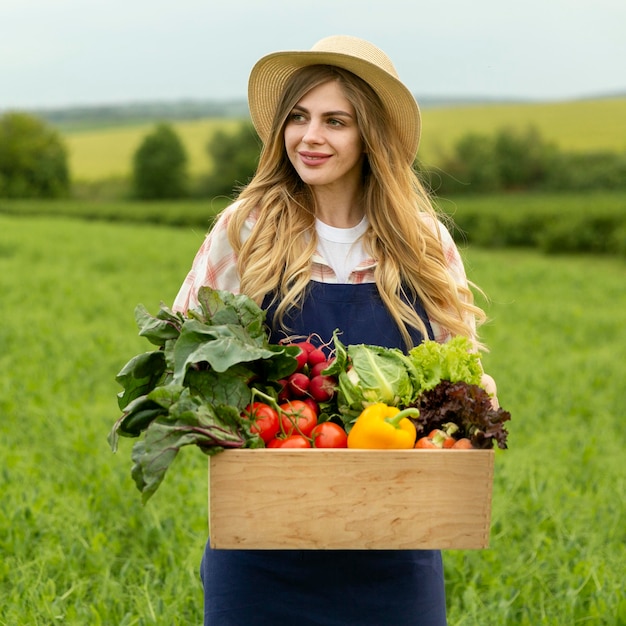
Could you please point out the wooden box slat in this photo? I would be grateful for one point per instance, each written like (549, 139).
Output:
(350, 499)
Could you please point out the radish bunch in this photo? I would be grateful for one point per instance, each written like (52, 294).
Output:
(308, 381)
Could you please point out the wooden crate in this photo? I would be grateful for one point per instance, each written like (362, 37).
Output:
(350, 499)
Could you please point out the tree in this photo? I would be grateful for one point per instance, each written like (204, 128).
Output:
(33, 159)
(160, 165)
(235, 157)
(510, 160)
(522, 158)
(472, 168)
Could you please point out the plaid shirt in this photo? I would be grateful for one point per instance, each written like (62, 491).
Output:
(215, 265)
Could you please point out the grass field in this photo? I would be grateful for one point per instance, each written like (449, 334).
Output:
(76, 545)
(586, 125)
(108, 152)
(579, 126)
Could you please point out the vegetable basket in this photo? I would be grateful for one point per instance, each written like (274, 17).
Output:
(335, 499)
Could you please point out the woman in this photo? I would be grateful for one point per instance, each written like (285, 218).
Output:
(334, 231)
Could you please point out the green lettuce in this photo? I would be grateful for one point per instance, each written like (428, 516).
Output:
(454, 361)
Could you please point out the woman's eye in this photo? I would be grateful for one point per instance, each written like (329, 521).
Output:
(335, 122)
(296, 117)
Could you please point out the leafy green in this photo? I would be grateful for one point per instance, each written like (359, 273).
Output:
(140, 375)
(466, 405)
(190, 421)
(454, 361)
(193, 389)
(367, 374)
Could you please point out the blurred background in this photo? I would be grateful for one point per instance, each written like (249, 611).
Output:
(514, 97)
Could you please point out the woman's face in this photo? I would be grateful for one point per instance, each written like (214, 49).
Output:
(322, 139)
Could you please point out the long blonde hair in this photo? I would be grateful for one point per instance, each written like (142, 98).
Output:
(402, 236)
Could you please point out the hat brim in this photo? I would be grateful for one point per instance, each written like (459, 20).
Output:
(271, 73)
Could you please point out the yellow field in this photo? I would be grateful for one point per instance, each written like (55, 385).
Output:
(581, 126)
(587, 125)
(108, 153)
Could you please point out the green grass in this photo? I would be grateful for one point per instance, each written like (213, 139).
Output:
(583, 126)
(78, 547)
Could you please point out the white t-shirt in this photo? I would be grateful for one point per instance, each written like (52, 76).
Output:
(342, 248)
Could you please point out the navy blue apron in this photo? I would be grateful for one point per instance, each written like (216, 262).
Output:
(329, 587)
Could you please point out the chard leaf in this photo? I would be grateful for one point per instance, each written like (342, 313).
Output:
(280, 365)
(138, 416)
(158, 329)
(228, 388)
(139, 376)
(190, 422)
(225, 308)
(219, 346)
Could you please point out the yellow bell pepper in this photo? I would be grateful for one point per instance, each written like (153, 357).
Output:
(382, 427)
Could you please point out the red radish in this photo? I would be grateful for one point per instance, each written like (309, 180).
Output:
(312, 404)
(322, 388)
(301, 357)
(316, 356)
(307, 346)
(318, 368)
(298, 384)
(283, 393)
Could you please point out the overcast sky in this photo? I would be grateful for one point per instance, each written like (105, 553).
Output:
(75, 52)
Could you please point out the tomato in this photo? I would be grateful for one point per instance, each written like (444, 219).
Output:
(329, 435)
(292, 441)
(266, 423)
(299, 416)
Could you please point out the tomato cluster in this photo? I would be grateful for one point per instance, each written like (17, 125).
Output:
(294, 421)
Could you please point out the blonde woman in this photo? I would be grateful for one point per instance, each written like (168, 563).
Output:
(334, 231)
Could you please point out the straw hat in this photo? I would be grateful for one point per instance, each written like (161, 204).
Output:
(271, 73)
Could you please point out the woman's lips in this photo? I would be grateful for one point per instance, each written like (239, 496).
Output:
(313, 158)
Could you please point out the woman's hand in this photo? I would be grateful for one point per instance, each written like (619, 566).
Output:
(489, 385)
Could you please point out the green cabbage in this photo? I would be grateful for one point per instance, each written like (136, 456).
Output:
(367, 374)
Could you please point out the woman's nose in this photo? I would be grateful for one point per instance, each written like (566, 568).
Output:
(312, 134)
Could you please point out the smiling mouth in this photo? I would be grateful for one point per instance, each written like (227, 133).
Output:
(313, 157)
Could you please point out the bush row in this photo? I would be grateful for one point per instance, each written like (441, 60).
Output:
(555, 223)
(515, 160)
